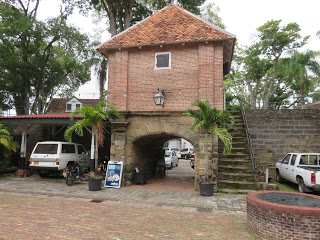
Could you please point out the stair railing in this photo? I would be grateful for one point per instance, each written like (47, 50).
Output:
(253, 159)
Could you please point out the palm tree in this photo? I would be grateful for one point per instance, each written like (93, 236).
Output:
(6, 141)
(301, 66)
(211, 121)
(96, 119)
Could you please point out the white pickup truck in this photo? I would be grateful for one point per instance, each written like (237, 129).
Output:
(300, 168)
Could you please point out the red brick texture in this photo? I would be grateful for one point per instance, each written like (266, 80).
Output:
(196, 73)
(275, 221)
(198, 50)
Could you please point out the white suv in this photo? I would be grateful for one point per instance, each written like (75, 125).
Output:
(53, 156)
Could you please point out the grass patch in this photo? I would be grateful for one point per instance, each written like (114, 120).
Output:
(249, 233)
(288, 187)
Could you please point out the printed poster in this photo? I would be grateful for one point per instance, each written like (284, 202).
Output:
(113, 174)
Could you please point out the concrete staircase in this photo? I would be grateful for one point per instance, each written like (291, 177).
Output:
(235, 171)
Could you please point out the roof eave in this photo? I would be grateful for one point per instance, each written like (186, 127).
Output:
(104, 51)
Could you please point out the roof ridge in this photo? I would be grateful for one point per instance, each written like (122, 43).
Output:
(209, 23)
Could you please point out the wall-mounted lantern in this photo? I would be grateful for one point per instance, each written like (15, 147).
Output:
(158, 98)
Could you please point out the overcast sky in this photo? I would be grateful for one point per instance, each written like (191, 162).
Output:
(241, 17)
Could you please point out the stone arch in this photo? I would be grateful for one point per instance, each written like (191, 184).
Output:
(164, 128)
(137, 138)
(145, 142)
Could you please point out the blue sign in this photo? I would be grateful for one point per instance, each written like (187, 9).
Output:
(113, 174)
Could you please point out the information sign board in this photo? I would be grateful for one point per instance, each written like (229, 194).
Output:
(113, 174)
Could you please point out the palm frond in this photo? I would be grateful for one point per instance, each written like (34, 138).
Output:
(225, 137)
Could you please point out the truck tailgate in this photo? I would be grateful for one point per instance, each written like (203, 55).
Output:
(318, 177)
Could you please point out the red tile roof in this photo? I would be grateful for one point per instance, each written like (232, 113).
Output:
(171, 25)
(44, 116)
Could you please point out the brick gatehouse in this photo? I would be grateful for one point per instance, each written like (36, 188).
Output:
(174, 51)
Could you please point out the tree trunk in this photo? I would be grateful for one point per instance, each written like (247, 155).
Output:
(302, 94)
(26, 98)
(271, 88)
(128, 13)
(102, 77)
(112, 17)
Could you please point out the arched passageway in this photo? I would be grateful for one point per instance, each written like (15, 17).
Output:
(138, 141)
(148, 152)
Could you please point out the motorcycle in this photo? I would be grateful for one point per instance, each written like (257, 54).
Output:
(102, 167)
(75, 172)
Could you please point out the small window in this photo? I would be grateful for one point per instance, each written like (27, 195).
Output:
(78, 106)
(68, 148)
(69, 107)
(303, 160)
(293, 160)
(313, 160)
(286, 159)
(46, 149)
(163, 60)
(81, 150)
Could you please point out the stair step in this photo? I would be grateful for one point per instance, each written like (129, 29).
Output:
(238, 184)
(239, 144)
(236, 134)
(235, 162)
(236, 176)
(237, 155)
(235, 169)
(239, 139)
(234, 191)
(236, 129)
(235, 173)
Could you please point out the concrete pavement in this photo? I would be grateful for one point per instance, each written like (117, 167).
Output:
(134, 195)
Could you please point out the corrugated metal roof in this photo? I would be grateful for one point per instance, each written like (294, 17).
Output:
(43, 116)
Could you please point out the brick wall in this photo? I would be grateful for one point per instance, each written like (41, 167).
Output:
(277, 132)
(196, 73)
(274, 221)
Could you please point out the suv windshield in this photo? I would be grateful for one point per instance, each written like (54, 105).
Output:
(46, 149)
(167, 154)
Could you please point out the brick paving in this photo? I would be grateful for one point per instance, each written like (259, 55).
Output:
(33, 208)
(36, 217)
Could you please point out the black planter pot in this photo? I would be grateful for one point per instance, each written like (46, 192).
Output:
(206, 189)
(95, 184)
(139, 178)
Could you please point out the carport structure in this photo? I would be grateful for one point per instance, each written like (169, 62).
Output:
(32, 125)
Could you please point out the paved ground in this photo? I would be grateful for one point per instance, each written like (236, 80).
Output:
(34, 208)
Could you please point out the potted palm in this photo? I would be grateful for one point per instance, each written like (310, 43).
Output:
(96, 118)
(213, 121)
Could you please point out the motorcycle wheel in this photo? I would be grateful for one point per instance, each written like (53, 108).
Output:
(69, 179)
(84, 177)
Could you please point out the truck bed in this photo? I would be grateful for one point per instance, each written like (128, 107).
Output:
(311, 168)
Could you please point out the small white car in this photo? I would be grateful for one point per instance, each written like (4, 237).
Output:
(53, 156)
(171, 159)
(186, 152)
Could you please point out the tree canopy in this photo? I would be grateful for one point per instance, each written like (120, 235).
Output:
(39, 59)
(260, 75)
